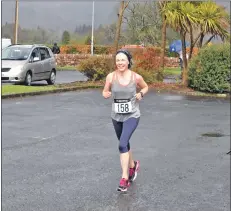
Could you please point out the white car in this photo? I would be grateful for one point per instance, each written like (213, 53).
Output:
(6, 42)
(28, 63)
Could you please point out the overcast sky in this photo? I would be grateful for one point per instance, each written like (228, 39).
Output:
(60, 15)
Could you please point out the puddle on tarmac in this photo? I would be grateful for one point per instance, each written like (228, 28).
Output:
(174, 97)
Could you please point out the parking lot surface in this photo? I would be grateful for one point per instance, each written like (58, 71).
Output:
(60, 152)
(65, 76)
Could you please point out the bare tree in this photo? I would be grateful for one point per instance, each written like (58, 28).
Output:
(143, 23)
(123, 6)
(162, 5)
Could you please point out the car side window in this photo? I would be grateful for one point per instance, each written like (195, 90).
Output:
(44, 53)
(47, 52)
(35, 53)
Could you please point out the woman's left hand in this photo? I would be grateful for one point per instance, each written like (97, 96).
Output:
(138, 96)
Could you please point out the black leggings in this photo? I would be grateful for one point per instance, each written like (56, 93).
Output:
(124, 131)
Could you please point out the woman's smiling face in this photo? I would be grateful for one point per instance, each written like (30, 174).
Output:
(122, 62)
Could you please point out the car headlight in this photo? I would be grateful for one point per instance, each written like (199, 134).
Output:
(16, 69)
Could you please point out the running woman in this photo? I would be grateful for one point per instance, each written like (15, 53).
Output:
(122, 85)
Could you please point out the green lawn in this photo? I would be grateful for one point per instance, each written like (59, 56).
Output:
(14, 89)
(172, 71)
(59, 68)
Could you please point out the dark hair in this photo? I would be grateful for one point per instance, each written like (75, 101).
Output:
(129, 56)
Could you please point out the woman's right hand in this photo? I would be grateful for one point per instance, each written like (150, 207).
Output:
(107, 87)
(106, 94)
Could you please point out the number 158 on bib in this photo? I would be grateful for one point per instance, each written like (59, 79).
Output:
(123, 107)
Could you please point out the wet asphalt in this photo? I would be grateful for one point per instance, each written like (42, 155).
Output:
(68, 76)
(60, 153)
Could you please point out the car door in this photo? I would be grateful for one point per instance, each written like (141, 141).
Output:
(46, 59)
(35, 64)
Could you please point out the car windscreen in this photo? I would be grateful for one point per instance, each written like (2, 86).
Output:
(16, 53)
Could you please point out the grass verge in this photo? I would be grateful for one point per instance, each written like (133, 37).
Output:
(14, 89)
(172, 71)
(67, 67)
(181, 89)
(20, 89)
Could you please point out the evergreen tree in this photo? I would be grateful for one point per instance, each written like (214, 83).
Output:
(66, 37)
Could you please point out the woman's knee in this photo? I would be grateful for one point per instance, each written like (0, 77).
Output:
(123, 148)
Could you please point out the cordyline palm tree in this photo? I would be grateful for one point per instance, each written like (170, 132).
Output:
(214, 20)
(178, 16)
(188, 17)
(210, 19)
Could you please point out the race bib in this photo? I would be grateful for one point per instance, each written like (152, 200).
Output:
(122, 106)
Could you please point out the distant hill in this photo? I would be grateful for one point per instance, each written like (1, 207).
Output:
(59, 15)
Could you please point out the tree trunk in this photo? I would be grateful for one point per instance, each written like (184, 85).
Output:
(201, 40)
(197, 38)
(163, 44)
(207, 42)
(119, 23)
(185, 62)
(191, 41)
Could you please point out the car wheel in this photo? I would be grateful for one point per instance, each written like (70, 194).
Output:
(28, 79)
(52, 78)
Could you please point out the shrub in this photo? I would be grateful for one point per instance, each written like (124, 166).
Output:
(100, 49)
(171, 54)
(209, 70)
(84, 49)
(194, 52)
(63, 49)
(157, 51)
(135, 51)
(96, 67)
(71, 49)
(147, 60)
(148, 76)
(147, 64)
(88, 40)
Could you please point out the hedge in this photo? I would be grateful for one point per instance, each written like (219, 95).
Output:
(102, 49)
(209, 70)
(146, 64)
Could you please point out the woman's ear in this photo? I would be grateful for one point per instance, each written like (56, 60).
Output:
(130, 63)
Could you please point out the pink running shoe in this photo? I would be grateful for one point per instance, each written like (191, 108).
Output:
(133, 171)
(123, 186)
